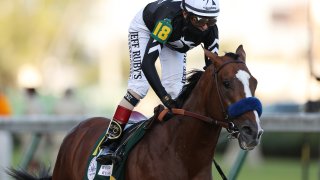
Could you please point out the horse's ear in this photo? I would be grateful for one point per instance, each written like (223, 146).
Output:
(212, 56)
(242, 54)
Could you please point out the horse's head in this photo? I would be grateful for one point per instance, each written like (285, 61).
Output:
(235, 88)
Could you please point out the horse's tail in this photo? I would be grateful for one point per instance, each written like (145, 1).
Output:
(20, 174)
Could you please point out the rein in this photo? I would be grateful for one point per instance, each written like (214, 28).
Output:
(245, 104)
(228, 125)
(183, 112)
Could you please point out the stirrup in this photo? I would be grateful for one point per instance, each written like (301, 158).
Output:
(104, 159)
(109, 159)
(107, 154)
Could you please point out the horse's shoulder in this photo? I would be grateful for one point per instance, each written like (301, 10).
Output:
(96, 121)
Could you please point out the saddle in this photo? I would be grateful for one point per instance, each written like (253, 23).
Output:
(134, 131)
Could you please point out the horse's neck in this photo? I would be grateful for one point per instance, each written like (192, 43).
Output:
(196, 135)
(204, 100)
(191, 142)
(199, 135)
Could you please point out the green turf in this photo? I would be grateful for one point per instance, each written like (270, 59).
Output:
(268, 169)
(272, 169)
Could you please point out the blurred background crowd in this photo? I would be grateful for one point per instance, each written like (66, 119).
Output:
(64, 57)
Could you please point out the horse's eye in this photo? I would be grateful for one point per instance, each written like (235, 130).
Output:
(227, 84)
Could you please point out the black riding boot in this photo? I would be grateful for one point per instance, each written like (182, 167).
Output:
(110, 144)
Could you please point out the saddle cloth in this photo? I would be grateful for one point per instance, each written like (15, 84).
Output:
(96, 171)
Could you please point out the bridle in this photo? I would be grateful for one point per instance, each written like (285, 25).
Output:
(226, 123)
(215, 75)
(232, 128)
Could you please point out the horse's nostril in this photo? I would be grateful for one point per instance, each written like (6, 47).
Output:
(247, 130)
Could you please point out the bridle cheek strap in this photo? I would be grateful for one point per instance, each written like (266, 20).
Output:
(245, 105)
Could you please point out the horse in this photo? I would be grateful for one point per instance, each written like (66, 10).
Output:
(183, 146)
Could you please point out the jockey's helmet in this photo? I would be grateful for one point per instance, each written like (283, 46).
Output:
(206, 8)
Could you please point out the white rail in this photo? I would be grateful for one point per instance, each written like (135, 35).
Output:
(293, 122)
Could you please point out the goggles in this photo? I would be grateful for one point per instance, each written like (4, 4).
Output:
(201, 21)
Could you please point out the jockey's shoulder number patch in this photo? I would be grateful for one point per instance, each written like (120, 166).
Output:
(162, 30)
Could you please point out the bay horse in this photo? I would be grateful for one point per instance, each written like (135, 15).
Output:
(182, 147)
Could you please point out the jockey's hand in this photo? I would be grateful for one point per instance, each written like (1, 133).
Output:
(168, 101)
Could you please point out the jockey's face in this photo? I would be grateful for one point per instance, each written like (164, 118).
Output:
(200, 22)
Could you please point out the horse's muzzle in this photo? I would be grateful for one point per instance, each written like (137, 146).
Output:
(249, 136)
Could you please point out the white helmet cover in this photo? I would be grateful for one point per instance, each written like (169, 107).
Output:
(208, 8)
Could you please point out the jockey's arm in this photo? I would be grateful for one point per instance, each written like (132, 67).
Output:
(149, 69)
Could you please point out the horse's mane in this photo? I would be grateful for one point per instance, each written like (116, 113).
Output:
(193, 78)
(232, 55)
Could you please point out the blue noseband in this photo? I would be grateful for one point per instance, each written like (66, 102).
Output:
(245, 105)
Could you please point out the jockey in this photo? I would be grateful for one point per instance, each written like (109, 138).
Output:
(166, 29)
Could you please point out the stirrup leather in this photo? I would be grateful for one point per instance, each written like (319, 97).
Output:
(107, 152)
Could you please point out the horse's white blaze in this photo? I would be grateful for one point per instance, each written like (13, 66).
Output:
(244, 77)
(260, 130)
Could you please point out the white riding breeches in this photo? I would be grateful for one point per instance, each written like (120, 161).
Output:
(173, 63)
